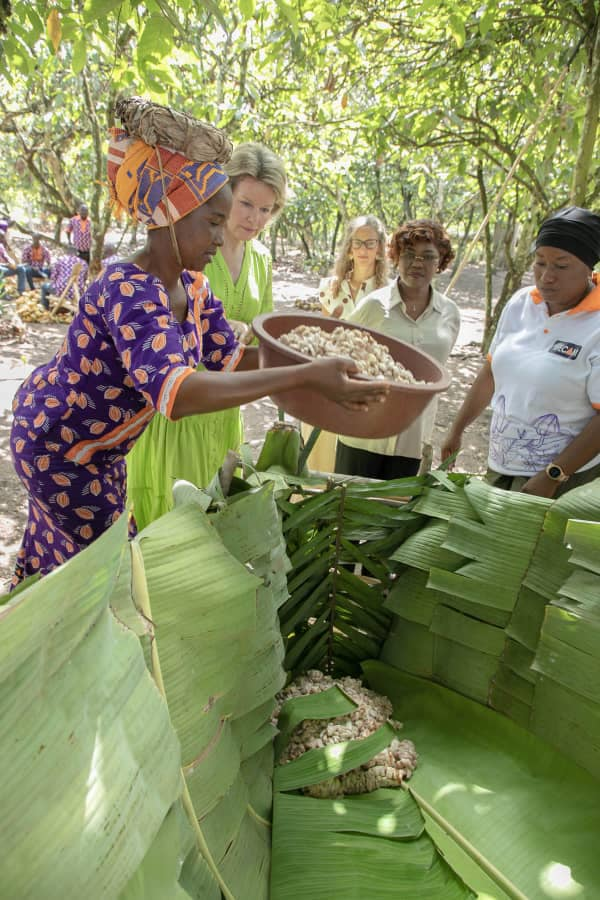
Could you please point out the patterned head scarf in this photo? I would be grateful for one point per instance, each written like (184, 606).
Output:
(575, 230)
(156, 185)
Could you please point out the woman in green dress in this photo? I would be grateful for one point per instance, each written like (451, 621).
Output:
(240, 275)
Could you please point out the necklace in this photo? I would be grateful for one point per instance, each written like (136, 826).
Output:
(414, 308)
(355, 288)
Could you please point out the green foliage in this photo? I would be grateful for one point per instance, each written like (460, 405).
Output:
(376, 107)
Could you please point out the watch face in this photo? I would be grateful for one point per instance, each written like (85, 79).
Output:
(554, 472)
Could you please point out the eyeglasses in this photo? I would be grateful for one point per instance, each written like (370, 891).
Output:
(429, 259)
(370, 244)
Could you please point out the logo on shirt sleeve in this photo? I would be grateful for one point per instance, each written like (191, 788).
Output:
(566, 349)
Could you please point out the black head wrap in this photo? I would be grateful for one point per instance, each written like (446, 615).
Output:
(575, 230)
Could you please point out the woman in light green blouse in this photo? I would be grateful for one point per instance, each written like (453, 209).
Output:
(240, 275)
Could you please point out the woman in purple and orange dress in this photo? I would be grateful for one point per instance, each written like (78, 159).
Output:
(133, 346)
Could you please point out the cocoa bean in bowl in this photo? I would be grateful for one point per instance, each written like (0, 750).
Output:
(376, 355)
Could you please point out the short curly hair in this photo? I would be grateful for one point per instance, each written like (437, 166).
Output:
(410, 233)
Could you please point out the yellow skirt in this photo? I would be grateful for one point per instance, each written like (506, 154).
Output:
(322, 456)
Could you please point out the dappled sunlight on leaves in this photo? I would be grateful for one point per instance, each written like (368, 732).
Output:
(556, 881)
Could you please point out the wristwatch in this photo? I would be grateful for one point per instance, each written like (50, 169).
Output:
(556, 473)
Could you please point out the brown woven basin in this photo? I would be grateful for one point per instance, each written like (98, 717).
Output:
(402, 406)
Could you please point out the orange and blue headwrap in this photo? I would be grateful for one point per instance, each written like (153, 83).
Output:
(155, 185)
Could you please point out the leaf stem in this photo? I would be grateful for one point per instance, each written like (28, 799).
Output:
(334, 575)
(141, 598)
(495, 874)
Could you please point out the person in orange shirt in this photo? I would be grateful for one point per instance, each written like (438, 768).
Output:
(36, 258)
(79, 233)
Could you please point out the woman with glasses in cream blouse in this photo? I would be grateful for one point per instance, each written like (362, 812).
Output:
(411, 309)
(360, 268)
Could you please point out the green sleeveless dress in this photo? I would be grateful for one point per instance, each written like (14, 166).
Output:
(194, 448)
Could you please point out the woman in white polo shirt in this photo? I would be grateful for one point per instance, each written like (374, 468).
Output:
(542, 375)
(408, 308)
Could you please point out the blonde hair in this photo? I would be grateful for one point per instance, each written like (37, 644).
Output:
(344, 263)
(257, 161)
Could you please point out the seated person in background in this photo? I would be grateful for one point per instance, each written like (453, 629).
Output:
(61, 273)
(8, 261)
(36, 258)
(109, 255)
(79, 233)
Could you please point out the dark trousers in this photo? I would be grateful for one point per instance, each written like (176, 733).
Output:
(516, 482)
(352, 461)
(84, 254)
(32, 272)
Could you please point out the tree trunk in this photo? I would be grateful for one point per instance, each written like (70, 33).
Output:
(487, 247)
(336, 231)
(589, 125)
(517, 266)
(464, 239)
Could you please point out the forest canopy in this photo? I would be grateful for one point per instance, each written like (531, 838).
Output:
(443, 108)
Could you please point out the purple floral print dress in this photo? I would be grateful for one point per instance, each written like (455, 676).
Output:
(123, 359)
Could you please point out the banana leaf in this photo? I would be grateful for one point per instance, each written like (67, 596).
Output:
(566, 709)
(475, 585)
(86, 738)
(414, 599)
(411, 599)
(246, 866)
(550, 564)
(369, 845)
(569, 722)
(510, 683)
(323, 705)
(330, 761)
(584, 538)
(426, 548)
(356, 553)
(508, 702)
(303, 606)
(217, 651)
(443, 504)
(464, 669)
(527, 617)
(299, 605)
(410, 647)
(519, 659)
(158, 877)
(353, 847)
(257, 772)
(334, 617)
(527, 816)
(455, 626)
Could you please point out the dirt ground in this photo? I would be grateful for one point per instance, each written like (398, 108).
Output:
(290, 283)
